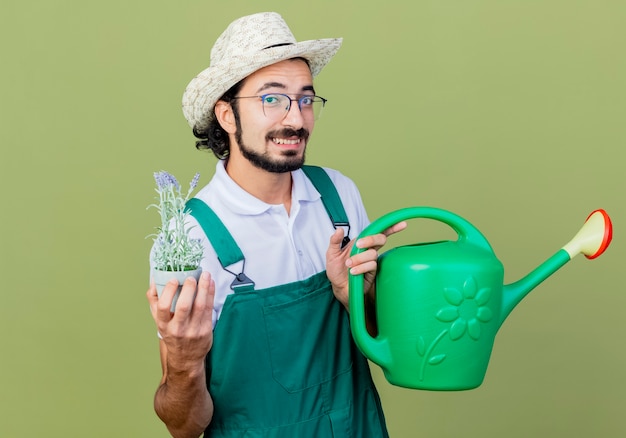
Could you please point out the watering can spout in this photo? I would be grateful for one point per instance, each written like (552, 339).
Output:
(591, 241)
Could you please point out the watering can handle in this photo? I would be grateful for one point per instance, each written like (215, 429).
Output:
(377, 349)
(465, 230)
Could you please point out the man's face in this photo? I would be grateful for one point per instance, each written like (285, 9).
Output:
(275, 143)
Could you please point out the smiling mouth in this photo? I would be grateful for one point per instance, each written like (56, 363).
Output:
(289, 137)
(286, 141)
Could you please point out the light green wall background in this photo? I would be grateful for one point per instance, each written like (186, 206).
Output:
(510, 113)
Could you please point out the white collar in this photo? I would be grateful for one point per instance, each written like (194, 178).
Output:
(242, 202)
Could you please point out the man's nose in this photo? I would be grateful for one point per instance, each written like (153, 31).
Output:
(294, 116)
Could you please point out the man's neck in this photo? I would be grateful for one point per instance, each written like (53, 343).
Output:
(271, 188)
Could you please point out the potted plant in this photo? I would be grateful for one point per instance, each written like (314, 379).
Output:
(174, 254)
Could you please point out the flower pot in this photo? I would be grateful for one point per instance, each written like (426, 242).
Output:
(161, 278)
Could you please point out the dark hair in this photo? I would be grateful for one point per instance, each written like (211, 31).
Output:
(214, 138)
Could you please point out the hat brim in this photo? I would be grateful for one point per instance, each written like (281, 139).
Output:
(205, 89)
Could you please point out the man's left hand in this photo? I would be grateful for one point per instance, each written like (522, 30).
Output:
(338, 260)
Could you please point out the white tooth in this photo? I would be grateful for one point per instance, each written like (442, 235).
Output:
(285, 141)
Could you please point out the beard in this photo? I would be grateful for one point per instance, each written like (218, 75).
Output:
(287, 162)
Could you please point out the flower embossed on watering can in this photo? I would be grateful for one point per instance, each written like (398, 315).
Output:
(439, 305)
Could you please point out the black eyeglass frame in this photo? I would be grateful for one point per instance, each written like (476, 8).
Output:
(299, 100)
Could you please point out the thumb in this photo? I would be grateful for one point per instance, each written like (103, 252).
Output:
(152, 297)
(339, 243)
(336, 239)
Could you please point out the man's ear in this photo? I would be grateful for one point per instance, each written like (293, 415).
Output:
(225, 116)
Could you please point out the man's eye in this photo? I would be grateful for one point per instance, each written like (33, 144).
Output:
(271, 100)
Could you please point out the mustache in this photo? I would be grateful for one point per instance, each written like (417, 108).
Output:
(287, 132)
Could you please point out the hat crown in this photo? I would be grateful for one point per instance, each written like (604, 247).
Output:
(251, 34)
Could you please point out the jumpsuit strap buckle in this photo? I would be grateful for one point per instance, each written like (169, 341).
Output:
(242, 283)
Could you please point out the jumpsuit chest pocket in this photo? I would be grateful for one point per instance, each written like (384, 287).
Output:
(308, 339)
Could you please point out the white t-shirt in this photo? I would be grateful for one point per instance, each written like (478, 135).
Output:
(278, 247)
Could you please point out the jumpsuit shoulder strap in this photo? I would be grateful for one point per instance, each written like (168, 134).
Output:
(227, 250)
(330, 198)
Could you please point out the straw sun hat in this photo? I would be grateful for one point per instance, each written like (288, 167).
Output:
(247, 45)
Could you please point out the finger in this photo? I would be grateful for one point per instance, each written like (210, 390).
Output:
(362, 268)
(395, 228)
(378, 240)
(153, 300)
(152, 297)
(336, 239)
(185, 298)
(206, 294)
(372, 241)
(370, 255)
(202, 311)
(164, 303)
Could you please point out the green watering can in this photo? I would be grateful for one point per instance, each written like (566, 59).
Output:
(439, 305)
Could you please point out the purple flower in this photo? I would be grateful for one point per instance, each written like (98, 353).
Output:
(165, 179)
(194, 181)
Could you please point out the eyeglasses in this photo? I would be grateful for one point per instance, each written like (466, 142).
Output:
(276, 105)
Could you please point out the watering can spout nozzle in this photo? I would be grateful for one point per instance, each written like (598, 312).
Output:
(593, 238)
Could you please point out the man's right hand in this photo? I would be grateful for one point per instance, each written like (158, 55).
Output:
(182, 400)
(188, 332)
